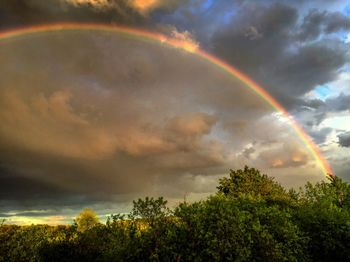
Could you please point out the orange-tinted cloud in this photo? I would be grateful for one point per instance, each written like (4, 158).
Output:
(286, 156)
(101, 115)
(145, 5)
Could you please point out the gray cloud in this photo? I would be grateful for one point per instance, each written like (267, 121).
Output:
(318, 22)
(344, 139)
(130, 12)
(237, 45)
(311, 26)
(265, 41)
(38, 213)
(21, 13)
(320, 136)
(313, 65)
(336, 22)
(105, 120)
(339, 103)
(316, 111)
(275, 58)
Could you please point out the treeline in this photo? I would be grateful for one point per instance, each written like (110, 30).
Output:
(250, 218)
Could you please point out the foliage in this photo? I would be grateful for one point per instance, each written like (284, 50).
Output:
(87, 219)
(250, 182)
(150, 210)
(239, 230)
(250, 218)
(324, 215)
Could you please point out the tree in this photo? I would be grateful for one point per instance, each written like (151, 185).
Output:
(150, 210)
(237, 229)
(151, 217)
(250, 182)
(251, 218)
(87, 219)
(324, 214)
(334, 192)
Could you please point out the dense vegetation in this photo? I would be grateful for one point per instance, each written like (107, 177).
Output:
(250, 218)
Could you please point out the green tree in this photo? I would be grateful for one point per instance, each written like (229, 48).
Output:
(251, 218)
(324, 215)
(151, 217)
(87, 219)
(150, 210)
(250, 182)
(237, 229)
(332, 192)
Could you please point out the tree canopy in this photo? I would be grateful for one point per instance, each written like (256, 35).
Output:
(251, 217)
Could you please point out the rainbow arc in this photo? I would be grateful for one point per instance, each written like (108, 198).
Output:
(194, 49)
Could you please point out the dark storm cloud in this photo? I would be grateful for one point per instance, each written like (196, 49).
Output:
(311, 26)
(312, 65)
(344, 139)
(253, 37)
(24, 181)
(39, 213)
(269, 41)
(14, 13)
(262, 42)
(67, 140)
(23, 187)
(336, 22)
(318, 22)
(104, 120)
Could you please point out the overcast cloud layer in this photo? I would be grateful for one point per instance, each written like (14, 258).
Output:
(95, 119)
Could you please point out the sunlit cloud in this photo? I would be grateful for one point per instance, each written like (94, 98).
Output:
(145, 6)
(118, 124)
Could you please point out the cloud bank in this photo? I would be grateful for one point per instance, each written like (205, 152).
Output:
(104, 119)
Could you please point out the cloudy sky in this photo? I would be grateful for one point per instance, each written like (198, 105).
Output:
(96, 119)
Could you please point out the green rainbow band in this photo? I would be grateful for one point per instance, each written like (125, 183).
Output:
(190, 47)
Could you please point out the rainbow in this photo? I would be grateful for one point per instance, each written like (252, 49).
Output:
(191, 47)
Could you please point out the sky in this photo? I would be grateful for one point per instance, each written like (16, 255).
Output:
(97, 119)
